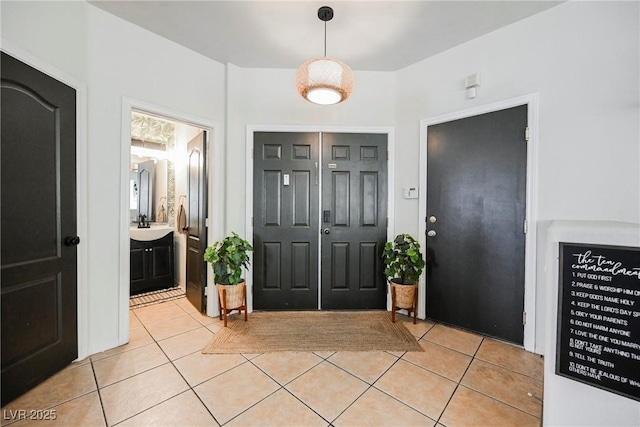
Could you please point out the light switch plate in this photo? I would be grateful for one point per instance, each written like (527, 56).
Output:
(410, 192)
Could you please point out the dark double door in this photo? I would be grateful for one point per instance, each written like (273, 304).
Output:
(320, 210)
(476, 205)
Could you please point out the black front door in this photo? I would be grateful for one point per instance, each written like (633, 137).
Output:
(39, 261)
(196, 221)
(476, 194)
(289, 224)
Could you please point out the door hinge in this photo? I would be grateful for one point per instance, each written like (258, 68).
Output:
(526, 226)
(206, 222)
(526, 133)
(524, 318)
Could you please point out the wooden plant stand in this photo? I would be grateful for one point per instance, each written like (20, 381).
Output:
(413, 309)
(224, 311)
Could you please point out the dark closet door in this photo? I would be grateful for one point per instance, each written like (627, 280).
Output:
(476, 194)
(39, 262)
(196, 222)
(354, 220)
(285, 221)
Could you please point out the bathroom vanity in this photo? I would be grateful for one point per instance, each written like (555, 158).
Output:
(151, 259)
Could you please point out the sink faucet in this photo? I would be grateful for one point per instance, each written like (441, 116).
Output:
(143, 221)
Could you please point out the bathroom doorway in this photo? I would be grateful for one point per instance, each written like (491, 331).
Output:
(159, 208)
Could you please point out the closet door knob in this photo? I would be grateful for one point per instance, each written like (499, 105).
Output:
(72, 241)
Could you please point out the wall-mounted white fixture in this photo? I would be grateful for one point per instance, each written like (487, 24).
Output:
(324, 80)
(471, 83)
(410, 192)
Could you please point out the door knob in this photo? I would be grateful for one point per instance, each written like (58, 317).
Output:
(71, 241)
(431, 233)
(326, 231)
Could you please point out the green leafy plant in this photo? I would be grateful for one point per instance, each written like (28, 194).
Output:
(227, 257)
(403, 260)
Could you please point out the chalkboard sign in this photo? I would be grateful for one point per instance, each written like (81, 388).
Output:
(599, 317)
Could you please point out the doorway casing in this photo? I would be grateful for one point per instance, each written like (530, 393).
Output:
(215, 156)
(531, 101)
(251, 129)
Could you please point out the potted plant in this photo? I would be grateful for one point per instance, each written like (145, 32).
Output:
(403, 266)
(227, 258)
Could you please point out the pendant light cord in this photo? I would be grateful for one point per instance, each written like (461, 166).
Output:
(325, 39)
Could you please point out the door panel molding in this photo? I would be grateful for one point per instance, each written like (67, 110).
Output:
(531, 101)
(249, 205)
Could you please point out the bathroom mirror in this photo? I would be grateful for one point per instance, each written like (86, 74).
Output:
(148, 189)
(152, 177)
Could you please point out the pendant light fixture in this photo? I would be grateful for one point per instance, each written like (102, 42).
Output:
(324, 80)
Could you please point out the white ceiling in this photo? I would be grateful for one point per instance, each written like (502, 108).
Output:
(367, 35)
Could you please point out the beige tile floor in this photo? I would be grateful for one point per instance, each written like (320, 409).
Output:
(160, 378)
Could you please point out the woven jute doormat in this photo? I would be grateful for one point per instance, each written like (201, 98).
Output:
(267, 332)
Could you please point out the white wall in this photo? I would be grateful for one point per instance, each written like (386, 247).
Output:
(582, 58)
(115, 59)
(36, 28)
(269, 97)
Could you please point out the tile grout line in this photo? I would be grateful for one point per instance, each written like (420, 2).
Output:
(459, 382)
(499, 401)
(283, 386)
(180, 373)
(508, 369)
(484, 337)
(370, 386)
(189, 388)
(95, 378)
(10, 422)
(474, 357)
(395, 398)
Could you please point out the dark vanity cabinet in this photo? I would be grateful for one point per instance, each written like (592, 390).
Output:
(151, 264)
